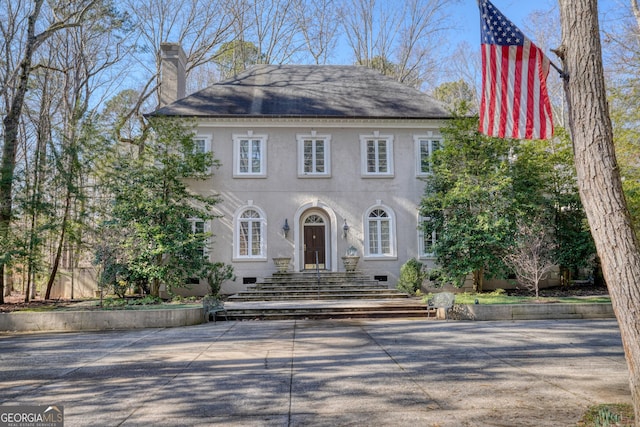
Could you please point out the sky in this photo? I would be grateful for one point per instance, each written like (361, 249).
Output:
(465, 16)
(466, 13)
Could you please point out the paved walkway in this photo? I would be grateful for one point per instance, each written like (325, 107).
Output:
(321, 373)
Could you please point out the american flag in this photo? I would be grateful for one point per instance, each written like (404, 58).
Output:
(515, 102)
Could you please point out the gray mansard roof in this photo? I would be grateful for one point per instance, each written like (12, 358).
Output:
(316, 91)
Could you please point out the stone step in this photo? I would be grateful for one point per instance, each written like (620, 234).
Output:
(324, 296)
(314, 286)
(372, 314)
(312, 278)
(326, 310)
(287, 296)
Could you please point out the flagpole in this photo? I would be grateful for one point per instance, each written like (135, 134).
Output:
(561, 72)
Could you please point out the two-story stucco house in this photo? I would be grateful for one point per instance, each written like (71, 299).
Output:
(315, 160)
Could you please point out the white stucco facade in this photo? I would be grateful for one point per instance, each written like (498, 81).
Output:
(379, 208)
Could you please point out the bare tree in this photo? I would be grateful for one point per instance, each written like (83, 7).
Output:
(25, 44)
(421, 31)
(273, 29)
(598, 174)
(317, 21)
(40, 113)
(200, 26)
(82, 55)
(532, 256)
(363, 33)
(622, 43)
(401, 42)
(460, 65)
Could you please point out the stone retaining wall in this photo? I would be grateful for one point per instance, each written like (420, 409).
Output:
(99, 320)
(167, 318)
(532, 311)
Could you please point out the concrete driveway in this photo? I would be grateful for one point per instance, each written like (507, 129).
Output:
(321, 373)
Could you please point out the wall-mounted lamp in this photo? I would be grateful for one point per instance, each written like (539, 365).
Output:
(345, 229)
(285, 228)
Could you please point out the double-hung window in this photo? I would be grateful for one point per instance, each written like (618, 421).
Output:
(198, 230)
(250, 156)
(200, 145)
(314, 159)
(377, 155)
(426, 238)
(426, 146)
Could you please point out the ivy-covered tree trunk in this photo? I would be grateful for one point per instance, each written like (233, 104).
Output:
(478, 280)
(598, 174)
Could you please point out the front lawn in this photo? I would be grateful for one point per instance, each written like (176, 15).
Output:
(500, 297)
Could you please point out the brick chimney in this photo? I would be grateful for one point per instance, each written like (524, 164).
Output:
(172, 73)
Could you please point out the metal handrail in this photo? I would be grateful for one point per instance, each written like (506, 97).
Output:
(318, 273)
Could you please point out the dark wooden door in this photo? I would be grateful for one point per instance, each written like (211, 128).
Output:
(314, 243)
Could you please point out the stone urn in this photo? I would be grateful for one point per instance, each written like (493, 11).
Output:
(350, 262)
(282, 264)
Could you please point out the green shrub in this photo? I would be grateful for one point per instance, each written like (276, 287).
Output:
(129, 302)
(411, 277)
(218, 273)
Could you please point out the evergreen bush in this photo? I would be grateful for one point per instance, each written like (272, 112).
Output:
(411, 277)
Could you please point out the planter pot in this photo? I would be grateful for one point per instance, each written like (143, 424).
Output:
(282, 264)
(350, 262)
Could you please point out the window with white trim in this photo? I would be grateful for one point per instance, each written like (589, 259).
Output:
(425, 149)
(377, 155)
(200, 145)
(199, 228)
(314, 155)
(380, 232)
(250, 156)
(426, 240)
(250, 234)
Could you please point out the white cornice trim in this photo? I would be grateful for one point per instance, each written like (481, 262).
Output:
(317, 122)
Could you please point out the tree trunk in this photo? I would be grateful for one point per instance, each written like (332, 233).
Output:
(598, 174)
(478, 280)
(56, 261)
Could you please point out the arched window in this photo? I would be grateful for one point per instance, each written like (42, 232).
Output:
(314, 219)
(380, 233)
(250, 234)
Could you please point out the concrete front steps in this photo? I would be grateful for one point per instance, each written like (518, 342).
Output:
(322, 296)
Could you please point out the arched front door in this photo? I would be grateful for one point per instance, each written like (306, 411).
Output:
(315, 242)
